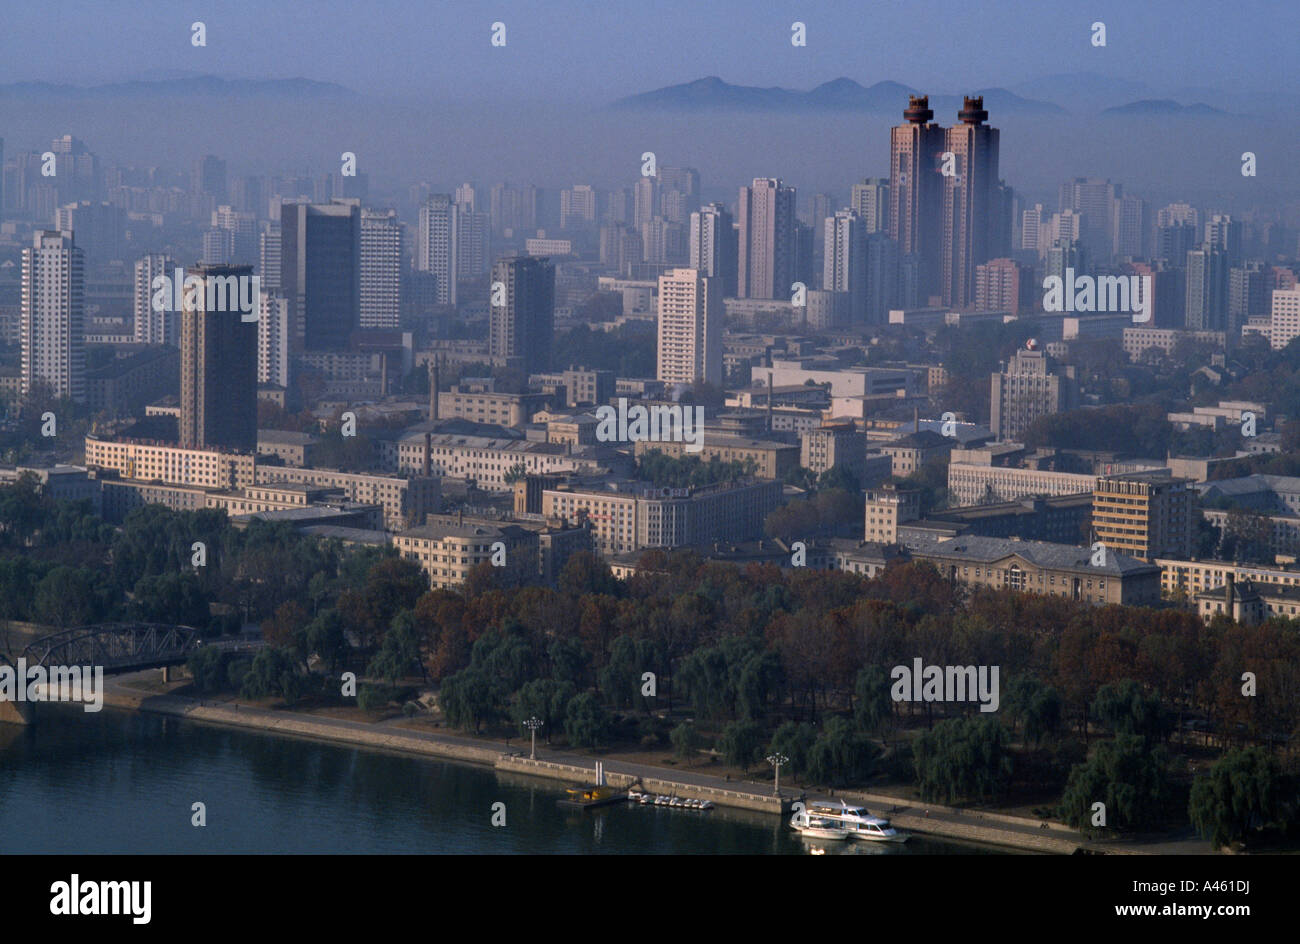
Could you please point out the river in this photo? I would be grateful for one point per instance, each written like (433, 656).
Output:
(124, 782)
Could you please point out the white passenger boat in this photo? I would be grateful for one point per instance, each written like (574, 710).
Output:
(857, 822)
(815, 827)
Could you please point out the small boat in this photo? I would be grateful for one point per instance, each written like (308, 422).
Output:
(815, 827)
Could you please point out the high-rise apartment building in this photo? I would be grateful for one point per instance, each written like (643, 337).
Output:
(524, 325)
(210, 177)
(767, 254)
(273, 340)
(1094, 200)
(1285, 317)
(916, 192)
(971, 202)
(1207, 289)
(53, 313)
(99, 228)
(153, 325)
(473, 243)
(578, 207)
(1247, 297)
(1004, 285)
(218, 371)
(844, 261)
(870, 198)
(713, 246)
(690, 327)
(437, 244)
(320, 271)
(381, 269)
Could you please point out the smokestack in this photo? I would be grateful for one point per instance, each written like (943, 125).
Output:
(428, 453)
(433, 387)
(383, 374)
(916, 419)
(1230, 597)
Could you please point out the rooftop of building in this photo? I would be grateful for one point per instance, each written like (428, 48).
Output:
(982, 550)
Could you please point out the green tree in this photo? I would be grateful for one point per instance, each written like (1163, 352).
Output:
(741, 744)
(469, 698)
(686, 740)
(1241, 793)
(547, 700)
(1034, 706)
(1123, 709)
(207, 666)
(841, 755)
(794, 740)
(586, 723)
(1126, 774)
(962, 759)
(873, 706)
(267, 674)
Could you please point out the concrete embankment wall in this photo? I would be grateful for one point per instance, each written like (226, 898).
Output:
(302, 726)
(574, 774)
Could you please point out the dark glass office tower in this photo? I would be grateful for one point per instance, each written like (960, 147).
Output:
(218, 368)
(320, 271)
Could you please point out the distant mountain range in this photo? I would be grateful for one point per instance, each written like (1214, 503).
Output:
(1163, 106)
(713, 94)
(182, 86)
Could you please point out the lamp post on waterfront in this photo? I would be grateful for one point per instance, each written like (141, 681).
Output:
(776, 760)
(532, 724)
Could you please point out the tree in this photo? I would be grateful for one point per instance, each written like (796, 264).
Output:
(962, 759)
(267, 674)
(1123, 709)
(1035, 706)
(547, 700)
(742, 744)
(873, 706)
(841, 755)
(400, 651)
(469, 698)
(1128, 776)
(586, 723)
(794, 740)
(686, 740)
(1241, 793)
(207, 666)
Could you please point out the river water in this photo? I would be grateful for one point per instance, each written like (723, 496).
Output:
(123, 782)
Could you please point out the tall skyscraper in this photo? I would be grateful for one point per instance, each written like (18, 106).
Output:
(320, 271)
(916, 192)
(1174, 241)
(473, 243)
(210, 177)
(713, 249)
(844, 261)
(1247, 297)
(679, 193)
(437, 249)
(690, 328)
(882, 277)
(871, 200)
(524, 326)
(381, 269)
(53, 314)
(1130, 227)
(274, 352)
(268, 256)
(1094, 200)
(578, 207)
(153, 326)
(100, 229)
(971, 202)
(645, 201)
(1034, 225)
(1223, 232)
(1003, 285)
(1207, 289)
(218, 371)
(242, 228)
(768, 252)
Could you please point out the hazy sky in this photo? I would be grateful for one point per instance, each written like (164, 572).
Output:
(560, 50)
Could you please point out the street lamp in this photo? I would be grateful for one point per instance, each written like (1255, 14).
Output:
(532, 724)
(776, 760)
